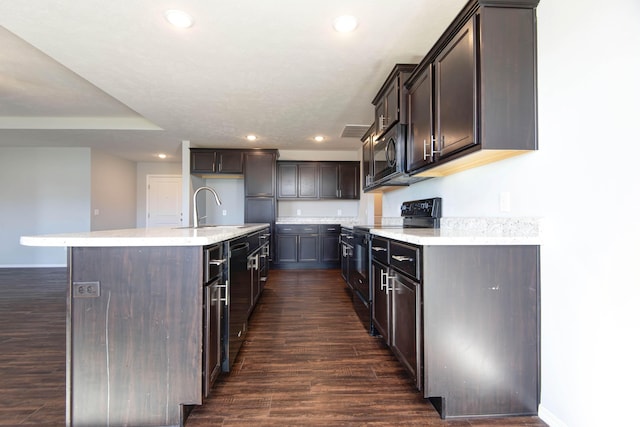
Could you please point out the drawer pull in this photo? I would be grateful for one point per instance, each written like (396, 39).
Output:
(378, 248)
(217, 261)
(402, 258)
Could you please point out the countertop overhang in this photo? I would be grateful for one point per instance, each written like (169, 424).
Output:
(448, 237)
(160, 236)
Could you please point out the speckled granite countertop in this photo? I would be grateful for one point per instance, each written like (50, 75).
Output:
(465, 231)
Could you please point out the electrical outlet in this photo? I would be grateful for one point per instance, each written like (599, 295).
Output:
(86, 289)
(224, 212)
(339, 212)
(299, 212)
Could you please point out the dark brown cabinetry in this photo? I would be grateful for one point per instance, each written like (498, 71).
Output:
(339, 180)
(367, 157)
(472, 99)
(389, 101)
(397, 302)
(306, 246)
(260, 187)
(488, 298)
(216, 161)
(420, 133)
(215, 275)
(134, 348)
(384, 146)
(297, 180)
(306, 180)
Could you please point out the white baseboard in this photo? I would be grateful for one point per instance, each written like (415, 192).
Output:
(548, 417)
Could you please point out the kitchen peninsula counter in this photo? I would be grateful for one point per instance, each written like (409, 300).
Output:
(137, 320)
(160, 236)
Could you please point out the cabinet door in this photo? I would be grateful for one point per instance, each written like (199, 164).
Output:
(259, 209)
(212, 323)
(405, 325)
(420, 122)
(287, 180)
(203, 161)
(286, 248)
(380, 300)
(367, 152)
(329, 248)
(455, 82)
(349, 181)
(259, 174)
(328, 180)
(229, 161)
(307, 180)
(308, 247)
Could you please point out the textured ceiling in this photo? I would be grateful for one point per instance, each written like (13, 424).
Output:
(115, 76)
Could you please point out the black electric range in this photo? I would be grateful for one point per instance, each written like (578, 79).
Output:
(425, 213)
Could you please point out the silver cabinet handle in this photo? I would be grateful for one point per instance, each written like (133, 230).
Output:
(225, 287)
(384, 282)
(217, 261)
(378, 248)
(402, 258)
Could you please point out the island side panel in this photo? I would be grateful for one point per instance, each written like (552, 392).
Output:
(134, 351)
(482, 329)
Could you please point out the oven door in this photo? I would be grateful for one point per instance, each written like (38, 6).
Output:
(387, 152)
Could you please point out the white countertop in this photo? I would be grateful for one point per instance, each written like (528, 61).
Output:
(468, 231)
(442, 237)
(161, 236)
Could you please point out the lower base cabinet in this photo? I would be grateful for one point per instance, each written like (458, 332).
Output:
(464, 321)
(307, 246)
(481, 330)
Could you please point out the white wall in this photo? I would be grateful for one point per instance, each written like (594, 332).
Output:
(113, 192)
(42, 191)
(583, 183)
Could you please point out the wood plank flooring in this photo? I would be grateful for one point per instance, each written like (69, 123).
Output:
(307, 361)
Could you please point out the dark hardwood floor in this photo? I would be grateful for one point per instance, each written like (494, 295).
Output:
(307, 361)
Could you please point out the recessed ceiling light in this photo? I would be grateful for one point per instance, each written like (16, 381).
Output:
(318, 138)
(162, 156)
(252, 137)
(345, 23)
(178, 18)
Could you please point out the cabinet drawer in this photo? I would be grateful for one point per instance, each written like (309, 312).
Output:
(380, 249)
(297, 228)
(214, 260)
(329, 228)
(405, 258)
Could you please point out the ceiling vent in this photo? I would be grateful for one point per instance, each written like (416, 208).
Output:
(355, 131)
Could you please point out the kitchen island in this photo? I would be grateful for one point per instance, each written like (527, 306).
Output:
(136, 309)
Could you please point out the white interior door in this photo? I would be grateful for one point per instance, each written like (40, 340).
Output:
(164, 200)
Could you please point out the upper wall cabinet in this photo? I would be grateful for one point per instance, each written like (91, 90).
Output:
(206, 161)
(472, 99)
(305, 180)
(389, 101)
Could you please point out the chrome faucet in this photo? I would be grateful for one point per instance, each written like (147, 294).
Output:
(195, 206)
